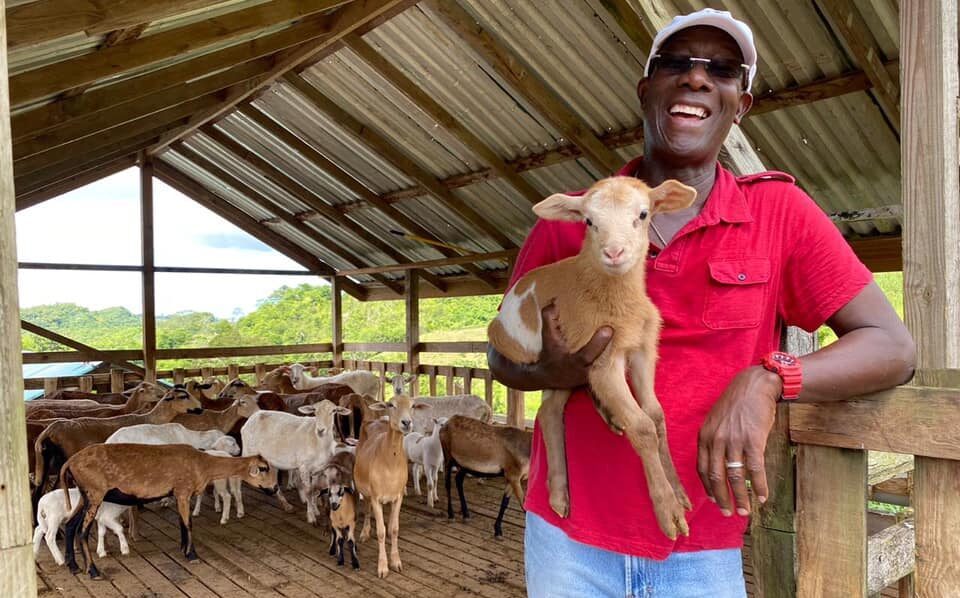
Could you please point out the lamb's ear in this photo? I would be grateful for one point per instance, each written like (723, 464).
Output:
(560, 206)
(307, 409)
(420, 406)
(342, 411)
(670, 196)
(379, 406)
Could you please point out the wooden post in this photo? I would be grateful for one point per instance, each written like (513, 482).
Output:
(832, 542)
(259, 371)
(17, 573)
(930, 188)
(86, 383)
(515, 409)
(448, 389)
(233, 371)
(336, 319)
(178, 376)
(468, 382)
(382, 370)
(206, 372)
(488, 388)
(50, 385)
(433, 381)
(149, 299)
(413, 327)
(116, 380)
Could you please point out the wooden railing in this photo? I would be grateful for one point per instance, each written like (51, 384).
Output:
(835, 554)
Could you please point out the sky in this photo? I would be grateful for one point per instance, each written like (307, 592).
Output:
(99, 224)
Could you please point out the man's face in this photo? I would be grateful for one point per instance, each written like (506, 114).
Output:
(668, 99)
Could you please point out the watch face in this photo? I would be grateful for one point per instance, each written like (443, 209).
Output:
(784, 358)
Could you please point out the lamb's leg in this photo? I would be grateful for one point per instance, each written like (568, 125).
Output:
(352, 546)
(431, 476)
(286, 506)
(395, 563)
(303, 489)
(196, 508)
(50, 537)
(237, 496)
(116, 527)
(377, 509)
(220, 490)
(550, 416)
(38, 535)
(613, 395)
(73, 526)
(416, 478)
(340, 539)
(642, 367)
(333, 541)
(498, 523)
(101, 532)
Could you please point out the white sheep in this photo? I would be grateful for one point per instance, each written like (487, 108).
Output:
(426, 456)
(51, 513)
(362, 382)
(442, 406)
(171, 433)
(224, 489)
(289, 442)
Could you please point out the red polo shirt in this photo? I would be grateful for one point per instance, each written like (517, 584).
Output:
(761, 254)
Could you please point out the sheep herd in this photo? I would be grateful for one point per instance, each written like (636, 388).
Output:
(94, 456)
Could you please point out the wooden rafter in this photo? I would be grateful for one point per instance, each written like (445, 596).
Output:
(355, 16)
(449, 261)
(526, 83)
(69, 342)
(88, 68)
(30, 142)
(75, 181)
(45, 20)
(219, 206)
(448, 121)
(307, 152)
(274, 208)
(344, 119)
(854, 32)
(111, 39)
(457, 286)
(630, 22)
(110, 137)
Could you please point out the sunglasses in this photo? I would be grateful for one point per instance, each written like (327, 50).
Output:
(717, 68)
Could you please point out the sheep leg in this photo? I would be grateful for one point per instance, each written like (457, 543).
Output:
(186, 526)
(333, 541)
(395, 563)
(220, 490)
(614, 396)
(550, 417)
(446, 483)
(89, 518)
(196, 508)
(352, 547)
(71, 534)
(39, 533)
(461, 474)
(101, 532)
(498, 524)
(116, 527)
(49, 534)
(416, 478)
(132, 522)
(340, 538)
(286, 506)
(431, 475)
(303, 489)
(377, 509)
(642, 367)
(234, 485)
(365, 532)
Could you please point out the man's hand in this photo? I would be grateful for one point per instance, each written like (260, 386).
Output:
(556, 367)
(736, 431)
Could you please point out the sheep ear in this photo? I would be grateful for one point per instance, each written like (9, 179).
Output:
(420, 406)
(671, 195)
(342, 411)
(379, 406)
(351, 441)
(307, 409)
(254, 470)
(560, 206)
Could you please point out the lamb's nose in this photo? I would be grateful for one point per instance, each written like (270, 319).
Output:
(613, 253)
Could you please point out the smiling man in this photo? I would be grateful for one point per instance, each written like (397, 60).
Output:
(752, 255)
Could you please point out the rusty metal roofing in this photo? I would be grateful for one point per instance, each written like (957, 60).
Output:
(842, 150)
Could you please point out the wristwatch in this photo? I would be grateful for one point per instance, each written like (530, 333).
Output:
(786, 366)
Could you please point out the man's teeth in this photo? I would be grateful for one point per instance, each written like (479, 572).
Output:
(700, 113)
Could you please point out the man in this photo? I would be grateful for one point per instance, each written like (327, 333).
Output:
(751, 255)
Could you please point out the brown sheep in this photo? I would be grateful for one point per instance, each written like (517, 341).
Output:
(485, 450)
(135, 474)
(277, 380)
(141, 397)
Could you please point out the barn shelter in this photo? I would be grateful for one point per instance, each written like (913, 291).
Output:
(395, 148)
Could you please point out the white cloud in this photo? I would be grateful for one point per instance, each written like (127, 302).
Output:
(99, 224)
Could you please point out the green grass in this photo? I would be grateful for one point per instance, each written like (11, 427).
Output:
(891, 283)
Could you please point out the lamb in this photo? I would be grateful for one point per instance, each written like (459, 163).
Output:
(201, 392)
(610, 271)
(51, 515)
(443, 406)
(134, 474)
(223, 490)
(289, 442)
(336, 478)
(172, 433)
(380, 473)
(63, 438)
(426, 455)
(212, 386)
(365, 383)
(485, 450)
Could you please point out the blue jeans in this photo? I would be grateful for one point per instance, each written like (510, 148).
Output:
(558, 567)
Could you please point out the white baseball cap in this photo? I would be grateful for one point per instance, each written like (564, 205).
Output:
(720, 19)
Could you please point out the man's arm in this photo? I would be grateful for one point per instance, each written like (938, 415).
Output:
(556, 368)
(874, 351)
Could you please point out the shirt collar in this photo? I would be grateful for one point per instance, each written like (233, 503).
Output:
(726, 201)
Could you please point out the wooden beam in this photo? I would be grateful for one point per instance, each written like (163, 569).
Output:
(832, 536)
(526, 83)
(147, 275)
(367, 135)
(210, 352)
(46, 20)
(631, 23)
(17, 571)
(936, 499)
(450, 261)
(309, 153)
(412, 326)
(51, 155)
(69, 342)
(448, 121)
(60, 76)
(238, 218)
(269, 205)
(880, 254)
(815, 91)
(336, 321)
(457, 286)
(73, 356)
(914, 420)
(890, 556)
(74, 182)
(33, 142)
(352, 17)
(853, 31)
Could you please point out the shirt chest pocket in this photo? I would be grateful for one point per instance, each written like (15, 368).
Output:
(737, 293)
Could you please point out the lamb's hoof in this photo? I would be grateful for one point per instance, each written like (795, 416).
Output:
(364, 536)
(192, 556)
(73, 567)
(288, 508)
(396, 565)
(671, 518)
(102, 555)
(125, 551)
(560, 503)
(94, 572)
(382, 569)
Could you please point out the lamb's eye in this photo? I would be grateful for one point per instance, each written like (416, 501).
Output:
(644, 214)
(589, 222)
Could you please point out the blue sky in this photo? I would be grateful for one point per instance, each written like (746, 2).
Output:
(99, 224)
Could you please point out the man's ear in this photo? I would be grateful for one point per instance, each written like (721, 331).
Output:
(560, 206)
(642, 90)
(671, 195)
(746, 102)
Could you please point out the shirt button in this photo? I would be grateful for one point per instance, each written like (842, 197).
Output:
(741, 277)
(654, 254)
